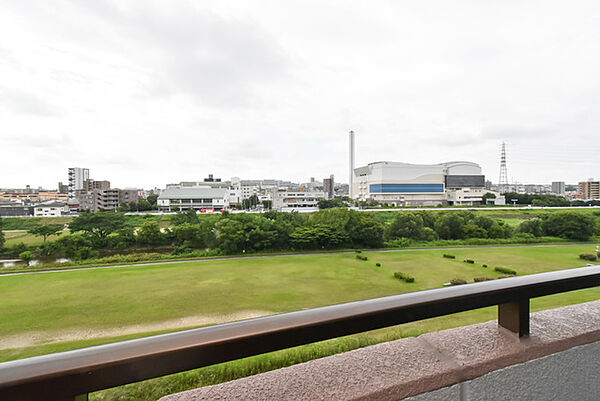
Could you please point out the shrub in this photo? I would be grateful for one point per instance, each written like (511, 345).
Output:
(479, 279)
(483, 265)
(470, 261)
(405, 277)
(588, 256)
(378, 264)
(26, 257)
(505, 270)
(179, 250)
(399, 243)
(458, 281)
(361, 257)
(448, 256)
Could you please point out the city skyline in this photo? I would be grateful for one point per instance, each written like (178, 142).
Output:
(144, 94)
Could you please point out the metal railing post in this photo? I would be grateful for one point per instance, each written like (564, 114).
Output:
(514, 316)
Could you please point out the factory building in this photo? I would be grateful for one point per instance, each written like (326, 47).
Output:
(403, 184)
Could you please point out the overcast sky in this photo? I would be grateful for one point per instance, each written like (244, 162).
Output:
(148, 93)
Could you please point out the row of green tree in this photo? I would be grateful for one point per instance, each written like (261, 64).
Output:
(546, 200)
(333, 228)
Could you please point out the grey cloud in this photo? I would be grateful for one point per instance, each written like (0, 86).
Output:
(26, 103)
(516, 132)
(42, 141)
(218, 61)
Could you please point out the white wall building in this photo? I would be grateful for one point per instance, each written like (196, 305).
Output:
(243, 189)
(77, 176)
(404, 184)
(51, 209)
(199, 198)
(296, 199)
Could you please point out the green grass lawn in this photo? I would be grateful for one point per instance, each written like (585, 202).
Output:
(15, 237)
(108, 298)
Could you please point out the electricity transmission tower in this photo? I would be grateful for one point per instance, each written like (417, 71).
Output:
(503, 180)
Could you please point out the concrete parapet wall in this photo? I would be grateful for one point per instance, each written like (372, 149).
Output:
(558, 361)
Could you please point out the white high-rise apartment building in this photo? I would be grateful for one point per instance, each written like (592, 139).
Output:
(77, 176)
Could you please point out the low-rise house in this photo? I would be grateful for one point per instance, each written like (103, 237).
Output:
(296, 199)
(51, 209)
(199, 198)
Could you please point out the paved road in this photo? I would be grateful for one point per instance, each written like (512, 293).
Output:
(170, 262)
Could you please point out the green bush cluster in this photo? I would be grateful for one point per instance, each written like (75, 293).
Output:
(470, 261)
(588, 256)
(479, 279)
(378, 264)
(361, 257)
(404, 277)
(505, 270)
(458, 281)
(431, 226)
(568, 225)
(448, 256)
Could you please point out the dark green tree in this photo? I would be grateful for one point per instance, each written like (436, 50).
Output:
(531, 226)
(26, 257)
(149, 234)
(253, 201)
(569, 225)
(318, 236)
(45, 230)
(1, 235)
(406, 225)
(193, 235)
(99, 224)
(152, 199)
(486, 196)
(472, 230)
(450, 226)
(143, 205)
(187, 216)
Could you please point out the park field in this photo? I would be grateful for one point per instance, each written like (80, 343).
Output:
(52, 312)
(105, 299)
(21, 236)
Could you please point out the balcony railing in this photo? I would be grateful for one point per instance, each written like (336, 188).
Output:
(72, 375)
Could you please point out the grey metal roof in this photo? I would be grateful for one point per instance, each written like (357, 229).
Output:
(193, 193)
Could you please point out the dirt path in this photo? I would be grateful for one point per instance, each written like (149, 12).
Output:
(48, 337)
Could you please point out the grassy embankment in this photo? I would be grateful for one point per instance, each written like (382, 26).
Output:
(59, 305)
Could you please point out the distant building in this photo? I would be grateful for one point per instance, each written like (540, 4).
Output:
(243, 189)
(106, 199)
(77, 176)
(404, 184)
(10, 209)
(51, 209)
(198, 198)
(328, 187)
(90, 185)
(558, 187)
(296, 199)
(588, 190)
(62, 188)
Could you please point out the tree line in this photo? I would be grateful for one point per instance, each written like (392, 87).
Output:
(335, 228)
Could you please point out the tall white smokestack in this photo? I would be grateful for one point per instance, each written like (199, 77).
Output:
(351, 164)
